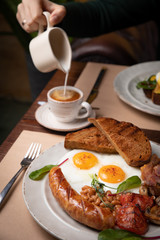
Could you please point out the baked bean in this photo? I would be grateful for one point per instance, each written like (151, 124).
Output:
(90, 194)
(98, 201)
(115, 202)
(110, 198)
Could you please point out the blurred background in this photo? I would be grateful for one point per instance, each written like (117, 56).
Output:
(15, 96)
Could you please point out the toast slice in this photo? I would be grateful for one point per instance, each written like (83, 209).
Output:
(129, 141)
(156, 95)
(89, 139)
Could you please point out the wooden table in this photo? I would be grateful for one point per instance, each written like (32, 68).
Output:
(28, 121)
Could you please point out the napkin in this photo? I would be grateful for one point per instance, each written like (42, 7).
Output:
(88, 78)
(16, 221)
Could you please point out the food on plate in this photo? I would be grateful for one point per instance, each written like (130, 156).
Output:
(125, 210)
(151, 87)
(81, 165)
(148, 85)
(89, 139)
(151, 176)
(153, 214)
(130, 215)
(156, 94)
(92, 185)
(129, 140)
(78, 208)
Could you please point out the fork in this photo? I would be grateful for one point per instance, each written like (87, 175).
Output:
(31, 154)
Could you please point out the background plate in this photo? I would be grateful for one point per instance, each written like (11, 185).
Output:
(125, 86)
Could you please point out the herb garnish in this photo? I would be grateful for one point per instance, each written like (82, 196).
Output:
(99, 187)
(118, 234)
(40, 173)
(150, 83)
(129, 183)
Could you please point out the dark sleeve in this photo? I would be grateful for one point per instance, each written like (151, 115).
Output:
(97, 17)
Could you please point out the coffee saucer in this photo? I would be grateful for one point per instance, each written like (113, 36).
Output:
(45, 118)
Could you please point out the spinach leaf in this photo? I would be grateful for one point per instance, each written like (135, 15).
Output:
(117, 234)
(132, 238)
(40, 173)
(129, 183)
(146, 85)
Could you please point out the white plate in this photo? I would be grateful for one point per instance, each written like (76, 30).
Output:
(125, 86)
(45, 117)
(45, 209)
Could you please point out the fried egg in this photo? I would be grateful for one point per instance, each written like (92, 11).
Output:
(111, 169)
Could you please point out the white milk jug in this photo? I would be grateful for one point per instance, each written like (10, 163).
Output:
(51, 49)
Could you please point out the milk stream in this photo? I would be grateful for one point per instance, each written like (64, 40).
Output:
(65, 82)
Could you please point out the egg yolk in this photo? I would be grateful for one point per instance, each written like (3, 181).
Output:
(84, 160)
(111, 174)
(158, 78)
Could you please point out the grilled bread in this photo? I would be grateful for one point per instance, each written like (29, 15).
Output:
(89, 139)
(156, 95)
(129, 141)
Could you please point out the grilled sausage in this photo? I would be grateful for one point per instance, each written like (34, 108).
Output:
(79, 209)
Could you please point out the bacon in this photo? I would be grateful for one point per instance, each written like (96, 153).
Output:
(157, 170)
(150, 173)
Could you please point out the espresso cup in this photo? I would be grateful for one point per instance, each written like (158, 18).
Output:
(51, 49)
(69, 106)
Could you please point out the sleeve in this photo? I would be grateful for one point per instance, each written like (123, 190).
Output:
(94, 18)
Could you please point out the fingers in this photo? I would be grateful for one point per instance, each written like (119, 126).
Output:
(29, 15)
(57, 15)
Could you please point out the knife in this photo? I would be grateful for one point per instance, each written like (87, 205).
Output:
(94, 92)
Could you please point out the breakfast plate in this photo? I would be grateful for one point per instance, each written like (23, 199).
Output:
(45, 209)
(125, 86)
(45, 117)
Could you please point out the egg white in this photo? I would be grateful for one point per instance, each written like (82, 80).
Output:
(77, 178)
(158, 77)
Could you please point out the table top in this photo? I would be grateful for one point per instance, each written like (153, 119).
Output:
(29, 130)
(28, 121)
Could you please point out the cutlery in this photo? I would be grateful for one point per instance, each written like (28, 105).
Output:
(32, 153)
(94, 92)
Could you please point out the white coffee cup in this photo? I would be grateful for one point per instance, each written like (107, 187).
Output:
(51, 49)
(70, 110)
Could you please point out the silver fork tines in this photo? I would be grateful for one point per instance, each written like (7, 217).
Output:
(32, 153)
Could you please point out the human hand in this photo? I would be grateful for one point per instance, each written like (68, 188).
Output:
(30, 14)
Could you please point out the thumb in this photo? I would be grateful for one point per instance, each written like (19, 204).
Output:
(57, 15)
(57, 12)
(49, 6)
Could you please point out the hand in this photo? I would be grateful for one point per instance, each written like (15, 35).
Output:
(30, 14)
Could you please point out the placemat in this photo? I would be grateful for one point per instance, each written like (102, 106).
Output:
(15, 220)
